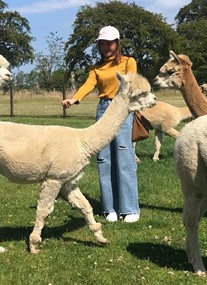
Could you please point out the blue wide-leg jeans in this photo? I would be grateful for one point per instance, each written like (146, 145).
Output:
(117, 170)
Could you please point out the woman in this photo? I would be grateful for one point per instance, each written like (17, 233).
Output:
(116, 162)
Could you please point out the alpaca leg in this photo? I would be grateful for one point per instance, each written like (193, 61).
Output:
(158, 143)
(172, 133)
(192, 213)
(49, 192)
(136, 156)
(203, 209)
(78, 200)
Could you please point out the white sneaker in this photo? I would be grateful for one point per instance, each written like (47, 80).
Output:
(131, 218)
(111, 217)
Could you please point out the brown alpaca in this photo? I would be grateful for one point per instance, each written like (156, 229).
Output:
(190, 151)
(176, 73)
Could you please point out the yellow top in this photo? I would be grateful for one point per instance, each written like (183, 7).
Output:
(104, 76)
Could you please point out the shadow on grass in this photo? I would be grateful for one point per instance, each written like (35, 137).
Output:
(22, 233)
(160, 208)
(162, 255)
(86, 243)
(95, 204)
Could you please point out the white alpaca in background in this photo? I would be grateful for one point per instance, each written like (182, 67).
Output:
(56, 155)
(163, 118)
(5, 74)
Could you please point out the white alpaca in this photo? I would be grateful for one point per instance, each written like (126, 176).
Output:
(5, 77)
(163, 118)
(190, 151)
(191, 163)
(5, 74)
(56, 155)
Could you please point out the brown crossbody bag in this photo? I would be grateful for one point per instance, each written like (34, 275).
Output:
(140, 126)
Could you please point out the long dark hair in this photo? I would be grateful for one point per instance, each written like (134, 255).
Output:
(117, 54)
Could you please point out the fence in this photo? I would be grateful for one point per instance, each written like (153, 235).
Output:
(23, 103)
(46, 104)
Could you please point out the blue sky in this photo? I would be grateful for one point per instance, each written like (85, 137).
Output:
(47, 16)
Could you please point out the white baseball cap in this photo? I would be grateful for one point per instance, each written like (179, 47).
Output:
(108, 33)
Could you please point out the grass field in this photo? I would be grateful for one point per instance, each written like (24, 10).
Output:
(150, 251)
(49, 105)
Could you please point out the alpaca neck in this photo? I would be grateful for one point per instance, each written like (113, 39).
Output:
(192, 94)
(104, 130)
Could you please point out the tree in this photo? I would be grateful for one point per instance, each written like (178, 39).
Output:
(54, 60)
(29, 81)
(192, 27)
(145, 36)
(15, 37)
(32, 79)
(56, 51)
(20, 80)
(57, 79)
(194, 11)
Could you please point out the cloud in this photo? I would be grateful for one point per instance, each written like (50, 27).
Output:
(167, 8)
(170, 4)
(50, 6)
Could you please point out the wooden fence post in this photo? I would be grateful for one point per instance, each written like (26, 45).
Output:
(64, 97)
(11, 100)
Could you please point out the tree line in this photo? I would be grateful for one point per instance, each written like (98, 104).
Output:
(144, 35)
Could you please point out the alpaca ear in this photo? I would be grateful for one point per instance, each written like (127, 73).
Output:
(121, 78)
(4, 62)
(174, 56)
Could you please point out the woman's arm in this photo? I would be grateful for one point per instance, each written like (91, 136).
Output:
(83, 91)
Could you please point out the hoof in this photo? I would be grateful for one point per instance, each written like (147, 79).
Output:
(156, 159)
(138, 160)
(103, 241)
(34, 250)
(201, 273)
(35, 240)
(3, 249)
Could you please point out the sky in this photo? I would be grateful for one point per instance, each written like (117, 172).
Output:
(46, 16)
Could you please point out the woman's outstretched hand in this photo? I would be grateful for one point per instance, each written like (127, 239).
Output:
(67, 103)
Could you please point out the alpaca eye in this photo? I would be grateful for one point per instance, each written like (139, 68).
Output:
(170, 72)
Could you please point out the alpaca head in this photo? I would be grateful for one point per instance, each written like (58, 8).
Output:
(171, 73)
(5, 74)
(136, 89)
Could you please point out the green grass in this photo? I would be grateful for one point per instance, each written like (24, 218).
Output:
(148, 252)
